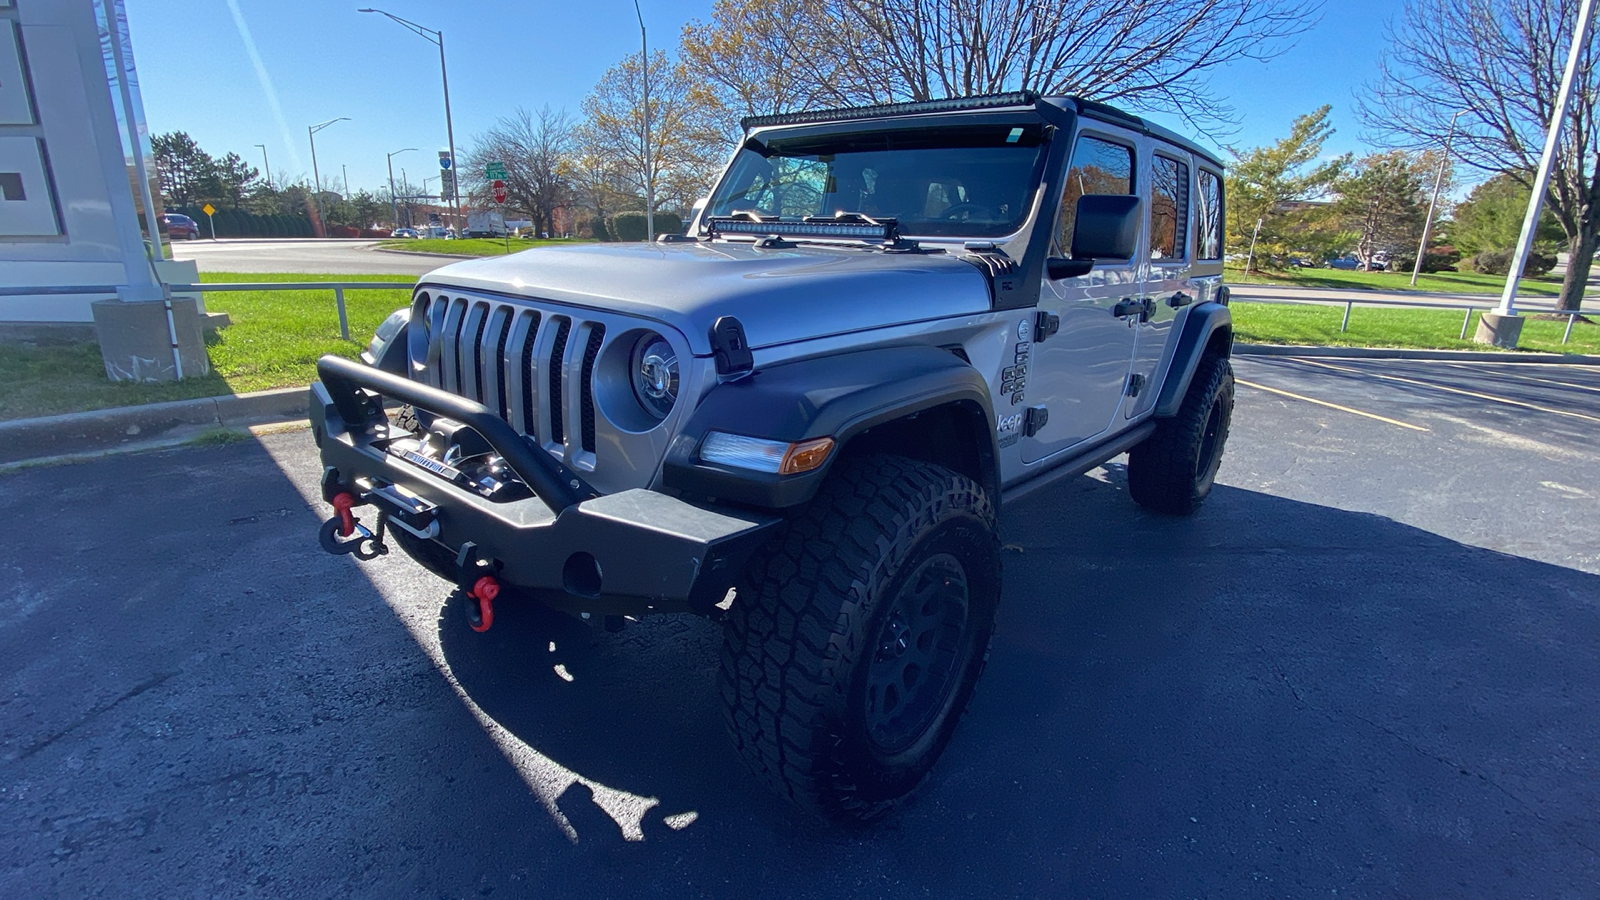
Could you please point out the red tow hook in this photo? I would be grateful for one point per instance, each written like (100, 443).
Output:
(343, 502)
(484, 590)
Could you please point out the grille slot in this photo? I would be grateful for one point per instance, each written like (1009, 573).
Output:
(597, 336)
(558, 355)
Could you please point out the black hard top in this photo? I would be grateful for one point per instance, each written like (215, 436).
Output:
(1019, 100)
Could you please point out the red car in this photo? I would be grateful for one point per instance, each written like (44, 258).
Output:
(180, 226)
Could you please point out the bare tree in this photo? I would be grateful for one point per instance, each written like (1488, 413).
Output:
(534, 147)
(685, 145)
(1500, 61)
(1152, 53)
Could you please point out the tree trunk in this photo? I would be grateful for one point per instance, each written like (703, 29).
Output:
(1580, 256)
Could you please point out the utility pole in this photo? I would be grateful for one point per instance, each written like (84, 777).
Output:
(344, 175)
(1503, 326)
(266, 162)
(649, 160)
(1438, 182)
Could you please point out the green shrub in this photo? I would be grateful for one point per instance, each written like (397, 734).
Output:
(598, 226)
(630, 226)
(1498, 262)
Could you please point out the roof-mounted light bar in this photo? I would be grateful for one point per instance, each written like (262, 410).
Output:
(845, 114)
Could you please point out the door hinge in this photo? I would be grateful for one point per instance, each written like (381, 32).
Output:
(1135, 384)
(1044, 325)
(1033, 420)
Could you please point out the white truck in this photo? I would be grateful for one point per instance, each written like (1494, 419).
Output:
(489, 223)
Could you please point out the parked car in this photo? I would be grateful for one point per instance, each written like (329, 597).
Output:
(180, 226)
(1380, 261)
(694, 427)
(405, 233)
(1344, 262)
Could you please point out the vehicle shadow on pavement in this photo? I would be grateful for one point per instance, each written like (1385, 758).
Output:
(1272, 698)
(1328, 697)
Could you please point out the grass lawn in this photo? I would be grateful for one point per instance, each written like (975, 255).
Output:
(275, 340)
(1433, 329)
(1436, 282)
(471, 246)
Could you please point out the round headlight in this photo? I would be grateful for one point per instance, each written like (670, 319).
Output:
(655, 375)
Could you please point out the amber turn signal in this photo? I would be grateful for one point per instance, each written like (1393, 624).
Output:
(805, 456)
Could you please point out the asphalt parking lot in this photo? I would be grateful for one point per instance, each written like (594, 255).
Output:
(1369, 667)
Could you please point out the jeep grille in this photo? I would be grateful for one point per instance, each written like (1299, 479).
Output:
(535, 367)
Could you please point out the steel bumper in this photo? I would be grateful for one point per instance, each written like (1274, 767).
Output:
(625, 553)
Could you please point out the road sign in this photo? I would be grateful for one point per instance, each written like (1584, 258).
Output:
(444, 159)
(447, 182)
(499, 191)
(208, 209)
(494, 171)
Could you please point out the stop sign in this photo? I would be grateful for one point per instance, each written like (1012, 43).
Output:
(499, 191)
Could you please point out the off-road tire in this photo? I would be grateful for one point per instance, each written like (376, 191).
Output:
(883, 535)
(1173, 469)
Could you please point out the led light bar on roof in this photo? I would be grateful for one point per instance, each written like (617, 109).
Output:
(954, 104)
(862, 231)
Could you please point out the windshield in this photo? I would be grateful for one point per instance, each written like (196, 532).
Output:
(967, 181)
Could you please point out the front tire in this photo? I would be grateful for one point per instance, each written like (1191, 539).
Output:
(849, 663)
(1172, 470)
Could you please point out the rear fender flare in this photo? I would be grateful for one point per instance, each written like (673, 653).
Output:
(1209, 325)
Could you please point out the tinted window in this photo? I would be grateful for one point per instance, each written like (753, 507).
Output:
(972, 181)
(1098, 167)
(1209, 211)
(1169, 210)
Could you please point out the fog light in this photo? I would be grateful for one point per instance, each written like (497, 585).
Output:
(760, 455)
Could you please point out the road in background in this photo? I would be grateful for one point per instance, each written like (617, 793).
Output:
(1369, 666)
(321, 257)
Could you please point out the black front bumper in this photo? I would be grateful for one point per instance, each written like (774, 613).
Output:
(626, 553)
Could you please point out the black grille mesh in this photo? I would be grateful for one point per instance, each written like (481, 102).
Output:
(597, 334)
(558, 353)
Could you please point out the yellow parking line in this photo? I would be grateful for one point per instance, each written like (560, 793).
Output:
(1523, 375)
(1462, 392)
(1354, 412)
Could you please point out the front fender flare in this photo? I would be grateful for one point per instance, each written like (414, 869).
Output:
(833, 396)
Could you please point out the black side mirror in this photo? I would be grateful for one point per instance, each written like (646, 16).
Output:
(1107, 227)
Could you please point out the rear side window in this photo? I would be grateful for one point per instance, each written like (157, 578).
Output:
(1169, 210)
(1098, 167)
(1209, 212)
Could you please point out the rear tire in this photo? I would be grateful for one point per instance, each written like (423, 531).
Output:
(847, 666)
(1172, 470)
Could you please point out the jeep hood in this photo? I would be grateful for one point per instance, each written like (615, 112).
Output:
(780, 295)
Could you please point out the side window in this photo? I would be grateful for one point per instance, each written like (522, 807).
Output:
(1169, 210)
(1210, 215)
(1098, 167)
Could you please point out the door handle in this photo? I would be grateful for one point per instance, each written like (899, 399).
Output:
(1128, 306)
(1179, 299)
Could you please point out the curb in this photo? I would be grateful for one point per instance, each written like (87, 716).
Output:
(131, 427)
(1503, 356)
(424, 253)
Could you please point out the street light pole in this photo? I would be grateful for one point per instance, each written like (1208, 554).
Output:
(649, 174)
(344, 176)
(394, 207)
(1438, 182)
(311, 131)
(436, 37)
(1541, 180)
(266, 162)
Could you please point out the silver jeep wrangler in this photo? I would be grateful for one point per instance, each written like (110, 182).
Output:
(802, 417)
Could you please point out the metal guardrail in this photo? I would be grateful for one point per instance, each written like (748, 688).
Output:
(1466, 321)
(338, 288)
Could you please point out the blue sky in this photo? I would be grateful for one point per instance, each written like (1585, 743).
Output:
(325, 60)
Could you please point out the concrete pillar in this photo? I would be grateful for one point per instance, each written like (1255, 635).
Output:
(1500, 330)
(137, 345)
